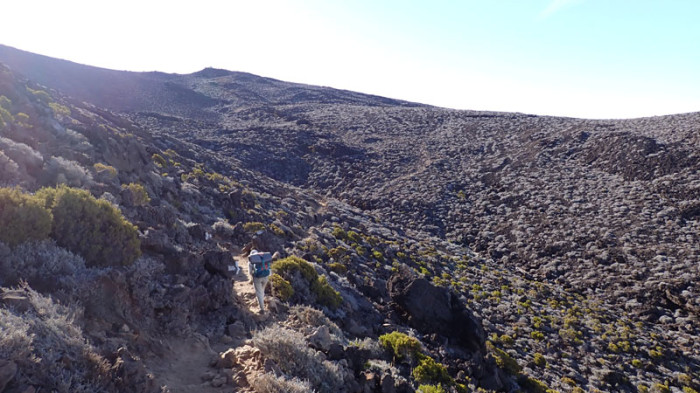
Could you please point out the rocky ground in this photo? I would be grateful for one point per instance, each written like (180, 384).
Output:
(572, 243)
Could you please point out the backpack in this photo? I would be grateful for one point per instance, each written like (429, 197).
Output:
(261, 262)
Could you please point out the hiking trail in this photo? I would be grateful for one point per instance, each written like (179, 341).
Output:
(185, 364)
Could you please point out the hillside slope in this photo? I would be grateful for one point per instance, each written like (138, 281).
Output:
(587, 230)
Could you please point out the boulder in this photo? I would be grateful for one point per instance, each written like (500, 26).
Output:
(218, 262)
(432, 309)
(8, 369)
(320, 339)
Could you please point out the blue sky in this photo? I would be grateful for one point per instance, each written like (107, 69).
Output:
(580, 58)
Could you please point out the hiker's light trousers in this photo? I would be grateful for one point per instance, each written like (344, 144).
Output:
(259, 283)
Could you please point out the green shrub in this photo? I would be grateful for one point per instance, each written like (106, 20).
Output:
(59, 109)
(401, 345)
(660, 388)
(503, 360)
(281, 287)
(6, 117)
(354, 236)
(5, 103)
(533, 385)
(138, 193)
(539, 360)
(287, 266)
(431, 389)
(40, 95)
(338, 268)
(102, 168)
(159, 160)
(537, 335)
(92, 228)
(319, 286)
(253, 226)
(428, 370)
(22, 217)
(276, 230)
(339, 233)
(687, 389)
(325, 294)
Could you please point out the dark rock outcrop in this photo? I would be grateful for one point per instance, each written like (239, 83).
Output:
(432, 309)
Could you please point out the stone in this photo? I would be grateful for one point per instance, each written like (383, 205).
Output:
(227, 359)
(432, 309)
(320, 339)
(8, 369)
(236, 329)
(387, 383)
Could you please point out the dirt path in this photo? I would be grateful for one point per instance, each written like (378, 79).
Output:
(185, 365)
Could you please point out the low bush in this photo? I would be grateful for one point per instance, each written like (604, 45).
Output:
(428, 370)
(270, 383)
(253, 226)
(317, 285)
(292, 354)
(325, 294)
(401, 345)
(138, 193)
(503, 360)
(539, 360)
(50, 349)
(45, 267)
(22, 217)
(431, 389)
(90, 227)
(281, 288)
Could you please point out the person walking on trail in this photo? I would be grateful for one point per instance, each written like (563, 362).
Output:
(259, 268)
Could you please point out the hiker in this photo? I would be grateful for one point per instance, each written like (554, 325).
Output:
(259, 268)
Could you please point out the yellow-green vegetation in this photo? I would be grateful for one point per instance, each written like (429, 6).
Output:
(568, 381)
(533, 385)
(139, 193)
(159, 160)
(6, 117)
(339, 233)
(5, 103)
(40, 95)
(59, 109)
(428, 370)
(537, 335)
(102, 168)
(354, 236)
(503, 360)
(319, 286)
(253, 226)
(660, 388)
(539, 360)
(401, 345)
(431, 389)
(338, 268)
(90, 227)
(23, 217)
(276, 230)
(688, 389)
(281, 288)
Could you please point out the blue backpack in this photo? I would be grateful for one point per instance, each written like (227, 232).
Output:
(261, 263)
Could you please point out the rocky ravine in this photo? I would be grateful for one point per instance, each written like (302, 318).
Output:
(588, 229)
